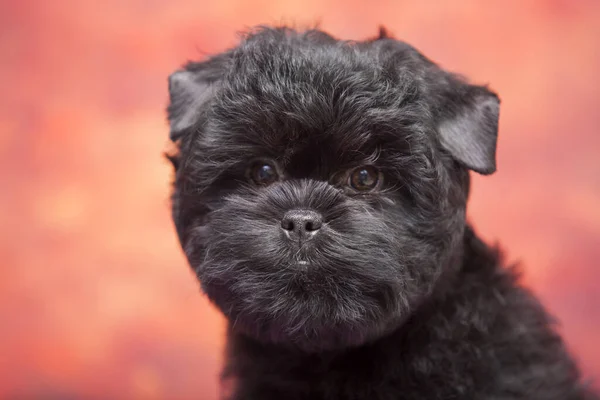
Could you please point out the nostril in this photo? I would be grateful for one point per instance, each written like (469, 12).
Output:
(312, 225)
(287, 224)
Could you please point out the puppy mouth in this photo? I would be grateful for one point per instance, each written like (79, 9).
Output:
(302, 265)
(302, 254)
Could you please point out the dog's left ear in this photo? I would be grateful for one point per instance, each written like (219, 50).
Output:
(190, 90)
(468, 125)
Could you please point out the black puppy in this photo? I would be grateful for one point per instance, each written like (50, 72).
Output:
(320, 196)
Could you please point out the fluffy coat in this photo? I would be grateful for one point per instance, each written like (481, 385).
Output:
(394, 297)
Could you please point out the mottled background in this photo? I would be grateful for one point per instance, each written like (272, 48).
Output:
(96, 300)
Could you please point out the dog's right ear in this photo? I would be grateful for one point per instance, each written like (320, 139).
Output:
(190, 90)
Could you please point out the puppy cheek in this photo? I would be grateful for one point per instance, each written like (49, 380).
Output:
(239, 248)
(399, 266)
(366, 258)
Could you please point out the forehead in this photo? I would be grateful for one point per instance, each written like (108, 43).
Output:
(313, 98)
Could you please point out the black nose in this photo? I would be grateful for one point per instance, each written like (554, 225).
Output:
(301, 224)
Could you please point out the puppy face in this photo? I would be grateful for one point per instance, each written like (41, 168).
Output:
(321, 185)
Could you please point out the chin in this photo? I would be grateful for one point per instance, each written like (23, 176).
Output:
(304, 316)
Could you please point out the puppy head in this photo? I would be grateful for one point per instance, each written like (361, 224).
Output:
(321, 185)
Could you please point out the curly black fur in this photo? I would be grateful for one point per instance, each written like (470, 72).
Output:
(395, 297)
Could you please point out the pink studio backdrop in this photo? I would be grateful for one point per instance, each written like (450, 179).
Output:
(96, 300)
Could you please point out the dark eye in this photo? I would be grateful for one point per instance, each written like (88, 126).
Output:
(364, 178)
(263, 173)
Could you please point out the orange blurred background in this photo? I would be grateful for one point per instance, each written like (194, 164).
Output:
(96, 300)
